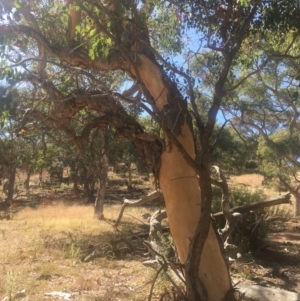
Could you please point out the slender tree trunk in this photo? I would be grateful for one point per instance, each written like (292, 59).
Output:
(294, 192)
(41, 177)
(103, 169)
(26, 183)
(84, 175)
(74, 177)
(11, 185)
(102, 189)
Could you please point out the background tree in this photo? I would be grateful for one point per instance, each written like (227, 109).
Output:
(269, 106)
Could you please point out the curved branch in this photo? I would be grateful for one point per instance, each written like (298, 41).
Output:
(112, 113)
(78, 58)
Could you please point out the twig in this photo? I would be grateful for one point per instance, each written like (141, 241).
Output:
(153, 283)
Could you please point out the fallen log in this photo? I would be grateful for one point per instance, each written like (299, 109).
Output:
(127, 203)
(282, 199)
(260, 293)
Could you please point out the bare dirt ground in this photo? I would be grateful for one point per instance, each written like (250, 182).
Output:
(50, 231)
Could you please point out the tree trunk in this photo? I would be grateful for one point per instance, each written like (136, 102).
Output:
(179, 184)
(26, 183)
(102, 188)
(84, 178)
(129, 184)
(74, 177)
(294, 192)
(41, 177)
(11, 185)
(103, 168)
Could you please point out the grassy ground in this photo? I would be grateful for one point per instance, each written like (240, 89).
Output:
(42, 249)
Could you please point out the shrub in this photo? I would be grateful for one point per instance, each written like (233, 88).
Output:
(249, 234)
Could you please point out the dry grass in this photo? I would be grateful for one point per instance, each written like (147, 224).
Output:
(41, 251)
(253, 182)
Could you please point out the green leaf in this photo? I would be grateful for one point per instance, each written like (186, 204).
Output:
(92, 53)
(92, 32)
(17, 4)
(105, 52)
(295, 95)
(78, 28)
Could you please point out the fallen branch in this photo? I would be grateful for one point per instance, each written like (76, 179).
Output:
(127, 203)
(282, 199)
(156, 231)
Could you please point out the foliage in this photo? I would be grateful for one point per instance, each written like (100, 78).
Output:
(284, 143)
(231, 153)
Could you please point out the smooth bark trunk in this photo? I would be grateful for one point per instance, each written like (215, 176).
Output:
(180, 187)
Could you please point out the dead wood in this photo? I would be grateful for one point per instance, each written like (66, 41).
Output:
(231, 217)
(129, 203)
(282, 199)
(156, 230)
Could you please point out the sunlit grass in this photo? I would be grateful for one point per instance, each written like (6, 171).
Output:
(41, 251)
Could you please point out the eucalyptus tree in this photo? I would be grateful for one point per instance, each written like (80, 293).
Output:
(10, 144)
(72, 55)
(270, 106)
